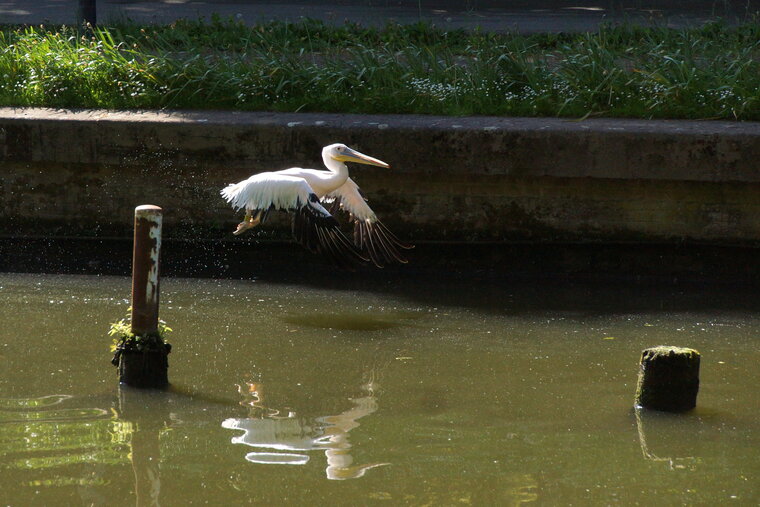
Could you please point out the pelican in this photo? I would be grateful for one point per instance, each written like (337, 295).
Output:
(306, 192)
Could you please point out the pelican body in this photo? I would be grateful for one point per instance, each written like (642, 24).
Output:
(305, 192)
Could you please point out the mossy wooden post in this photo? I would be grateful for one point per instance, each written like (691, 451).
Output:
(668, 379)
(147, 367)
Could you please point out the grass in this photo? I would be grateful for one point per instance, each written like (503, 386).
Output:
(627, 71)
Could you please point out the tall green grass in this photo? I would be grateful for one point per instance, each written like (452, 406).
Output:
(627, 71)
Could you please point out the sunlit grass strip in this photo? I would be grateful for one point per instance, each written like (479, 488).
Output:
(710, 72)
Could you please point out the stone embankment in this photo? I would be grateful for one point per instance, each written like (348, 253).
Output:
(453, 180)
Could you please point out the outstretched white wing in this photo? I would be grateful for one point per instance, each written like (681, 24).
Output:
(370, 235)
(268, 190)
(313, 226)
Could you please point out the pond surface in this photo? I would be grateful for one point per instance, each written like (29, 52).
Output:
(397, 393)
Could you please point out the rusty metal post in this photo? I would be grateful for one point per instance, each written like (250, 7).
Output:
(145, 263)
(147, 364)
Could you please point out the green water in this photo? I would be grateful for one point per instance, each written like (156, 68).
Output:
(426, 392)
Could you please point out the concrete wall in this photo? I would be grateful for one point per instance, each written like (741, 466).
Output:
(69, 173)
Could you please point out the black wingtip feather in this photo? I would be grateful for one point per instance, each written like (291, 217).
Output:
(379, 243)
(320, 234)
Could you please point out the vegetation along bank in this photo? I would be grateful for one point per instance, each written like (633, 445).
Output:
(710, 72)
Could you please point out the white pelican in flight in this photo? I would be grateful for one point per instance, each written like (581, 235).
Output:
(304, 191)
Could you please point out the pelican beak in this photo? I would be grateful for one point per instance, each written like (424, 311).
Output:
(350, 155)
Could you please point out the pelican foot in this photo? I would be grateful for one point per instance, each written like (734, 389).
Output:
(242, 227)
(245, 225)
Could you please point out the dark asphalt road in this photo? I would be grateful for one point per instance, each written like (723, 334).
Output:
(492, 15)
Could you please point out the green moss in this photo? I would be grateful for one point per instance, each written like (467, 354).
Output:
(125, 340)
(655, 353)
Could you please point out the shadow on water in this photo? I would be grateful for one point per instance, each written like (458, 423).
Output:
(502, 279)
(351, 321)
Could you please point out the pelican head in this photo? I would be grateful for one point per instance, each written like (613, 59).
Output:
(343, 153)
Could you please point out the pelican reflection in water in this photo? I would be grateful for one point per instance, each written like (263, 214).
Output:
(286, 436)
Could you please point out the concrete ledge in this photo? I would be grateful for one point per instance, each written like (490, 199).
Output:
(525, 16)
(717, 151)
(80, 173)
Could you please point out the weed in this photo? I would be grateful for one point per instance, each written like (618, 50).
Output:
(125, 340)
(622, 71)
